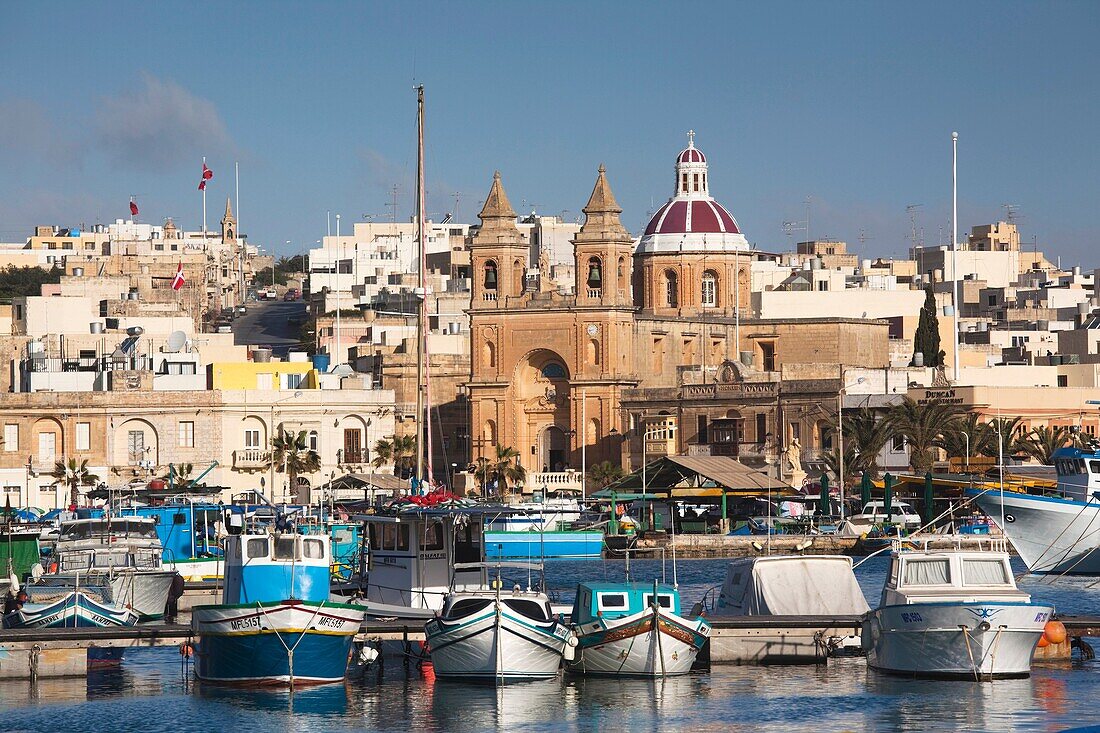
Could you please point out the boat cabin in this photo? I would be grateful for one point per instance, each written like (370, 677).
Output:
(186, 530)
(276, 567)
(412, 554)
(1078, 472)
(950, 575)
(616, 600)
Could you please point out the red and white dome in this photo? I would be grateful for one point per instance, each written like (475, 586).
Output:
(692, 221)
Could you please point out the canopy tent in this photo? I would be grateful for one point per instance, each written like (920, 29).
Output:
(356, 486)
(791, 585)
(699, 476)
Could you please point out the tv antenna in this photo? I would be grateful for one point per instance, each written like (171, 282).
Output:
(915, 239)
(1012, 213)
(392, 204)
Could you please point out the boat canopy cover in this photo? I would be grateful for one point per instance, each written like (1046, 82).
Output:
(793, 585)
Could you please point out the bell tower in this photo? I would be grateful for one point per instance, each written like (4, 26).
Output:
(603, 250)
(498, 254)
(229, 223)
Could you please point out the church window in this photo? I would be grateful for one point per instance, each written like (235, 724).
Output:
(595, 273)
(490, 275)
(695, 182)
(671, 296)
(704, 181)
(490, 354)
(593, 351)
(767, 356)
(684, 185)
(553, 370)
(490, 432)
(761, 427)
(710, 289)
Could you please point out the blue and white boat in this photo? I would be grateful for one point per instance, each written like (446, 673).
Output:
(275, 624)
(534, 544)
(636, 630)
(497, 634)
(69, 609)
(953, 613)
(1054, 534)
(188, 533)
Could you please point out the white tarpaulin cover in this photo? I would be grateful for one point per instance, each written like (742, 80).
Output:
(791, 585)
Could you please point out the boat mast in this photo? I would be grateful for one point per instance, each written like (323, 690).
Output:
(423, 395)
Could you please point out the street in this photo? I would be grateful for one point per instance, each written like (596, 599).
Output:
(267, 324)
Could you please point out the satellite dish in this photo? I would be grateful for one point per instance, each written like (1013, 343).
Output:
(176, 341)
(135, 330)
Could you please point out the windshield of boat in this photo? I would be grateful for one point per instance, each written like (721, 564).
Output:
(99, 528)
(529, 608)
(931, 571)
(466, 606)
(985, 571)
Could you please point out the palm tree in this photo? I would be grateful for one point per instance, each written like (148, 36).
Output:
(74, 476)
(1007, 437)
(865, 434)
(604, 474)
(179, 475)
(968, 433)
(1041, 442)
(291, 453)
(483, 473)
(400, 451)
(923, 427)
(854, 463)
(506, 468)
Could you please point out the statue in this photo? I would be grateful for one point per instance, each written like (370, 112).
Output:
(793, 454)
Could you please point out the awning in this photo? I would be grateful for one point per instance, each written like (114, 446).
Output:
(699, 476)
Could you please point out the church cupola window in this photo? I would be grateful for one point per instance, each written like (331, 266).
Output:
(709, 292)
(490, 275)
(671, 294)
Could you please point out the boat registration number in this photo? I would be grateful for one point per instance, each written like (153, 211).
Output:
(239, 624)
(332, 623)
(1041, 617)
(911, 618)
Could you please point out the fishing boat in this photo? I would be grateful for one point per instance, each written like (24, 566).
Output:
(629, 629)
(1060, 533)
(495, 634)
(52, 608)
(953, 613)
(275, 624)
(188, 532)
(122, 553)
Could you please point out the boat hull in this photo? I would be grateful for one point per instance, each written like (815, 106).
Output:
(1052, 535)
(632, 647)
(496, 644)
(955, 639)
(75, 609)
(252, 644)
(530, 544)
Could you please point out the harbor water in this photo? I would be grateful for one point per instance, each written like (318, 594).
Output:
(154, 691)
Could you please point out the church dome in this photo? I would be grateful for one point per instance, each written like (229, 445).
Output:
(692, 221)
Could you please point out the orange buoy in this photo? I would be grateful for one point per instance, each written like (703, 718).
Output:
(1043, 641)
(186, 650)
(1054, 632)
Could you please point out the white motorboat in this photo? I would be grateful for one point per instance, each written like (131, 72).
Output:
(495, 634)
(635, 630)
(1054, 534)
(123, 553)
(953, 613)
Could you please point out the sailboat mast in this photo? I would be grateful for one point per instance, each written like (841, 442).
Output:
(423, 402)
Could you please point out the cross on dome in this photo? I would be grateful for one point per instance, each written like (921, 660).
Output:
(691, 138)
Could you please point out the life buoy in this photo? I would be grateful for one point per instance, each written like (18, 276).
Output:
(620, 510)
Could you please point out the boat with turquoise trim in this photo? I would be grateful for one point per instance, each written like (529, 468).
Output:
(497, 634)
(275, 625)
(635, 630)
(69, 609)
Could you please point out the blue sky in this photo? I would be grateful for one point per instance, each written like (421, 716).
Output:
(848, 104)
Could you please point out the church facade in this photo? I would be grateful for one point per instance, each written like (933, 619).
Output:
(655, 350)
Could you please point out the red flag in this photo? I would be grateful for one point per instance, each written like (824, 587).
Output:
(133, 209)
(207, 174)
(177, 281)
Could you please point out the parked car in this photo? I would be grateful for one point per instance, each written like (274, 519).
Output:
(241, 310)
(292, 294)
(224, 328)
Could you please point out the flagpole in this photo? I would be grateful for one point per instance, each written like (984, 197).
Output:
(204, 200)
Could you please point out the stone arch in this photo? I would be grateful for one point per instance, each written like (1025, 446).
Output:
(352, 439)
(594, 352)
(490, 275)
(518, 277)
(671, 288)
(136, 440)
(594, 274)
(709, 295)
(489, 433)
(490, 350)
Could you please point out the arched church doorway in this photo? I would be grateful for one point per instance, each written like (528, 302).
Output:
(553, 448)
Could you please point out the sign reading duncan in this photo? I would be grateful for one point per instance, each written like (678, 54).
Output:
(942, 396)
(737, 389)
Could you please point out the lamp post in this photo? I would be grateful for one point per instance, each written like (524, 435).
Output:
(271, 461)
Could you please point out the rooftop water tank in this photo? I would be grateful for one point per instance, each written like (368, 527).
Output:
(261, 355)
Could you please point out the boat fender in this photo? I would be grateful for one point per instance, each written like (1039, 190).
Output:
(1054, 632)
(570, 651)
(186, 650)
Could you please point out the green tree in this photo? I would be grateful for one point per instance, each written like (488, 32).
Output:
(1040, 443)
(179, 475)
(291, 453)
(1007, 437)
(604, 474)
(923, 427)
(506, 468)
(483, 472)
(20, 281)
(968, 432)
(400, 451)
(927, 339)
(865, 435)
(73, 475)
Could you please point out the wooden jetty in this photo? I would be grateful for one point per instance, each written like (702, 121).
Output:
(33, 653)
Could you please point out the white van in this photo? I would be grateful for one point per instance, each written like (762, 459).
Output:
(900, 513)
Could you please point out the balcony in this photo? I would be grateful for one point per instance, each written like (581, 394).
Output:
(552, 481)
(595, 292)
(251, 459)
(489, 295)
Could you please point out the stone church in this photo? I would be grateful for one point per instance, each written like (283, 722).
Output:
(655, 350)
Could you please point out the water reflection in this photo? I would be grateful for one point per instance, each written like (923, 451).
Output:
(314, 700)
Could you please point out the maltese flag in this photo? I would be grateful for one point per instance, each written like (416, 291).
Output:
(177, 281)
(207, 174)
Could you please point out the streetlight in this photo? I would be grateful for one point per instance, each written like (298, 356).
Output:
(840, 435)
(271, 462)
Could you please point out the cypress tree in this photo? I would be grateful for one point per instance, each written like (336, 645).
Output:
(927, 339)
